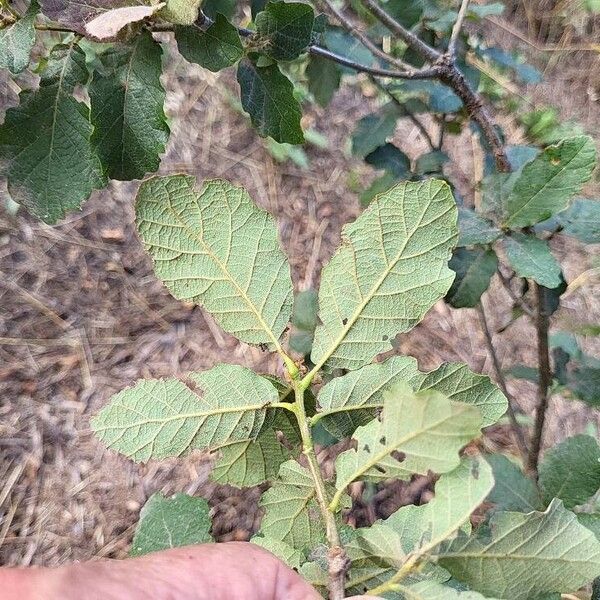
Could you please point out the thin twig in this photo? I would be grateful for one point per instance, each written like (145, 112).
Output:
(520, 302)
(518, 432)
(542, 326)
(457, 28)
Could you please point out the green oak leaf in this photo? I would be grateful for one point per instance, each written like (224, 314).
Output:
(324, 78)
(389, 270)
(285, 29)
(523, 556)
(474, 229)
(419, 432)
(581, 220)
(17, 41)
(215, 48)
(531, 257)
(546, 184)
(513, 490)
(291, 510)
(291, 556)
(268, 97)
(130, 127)
(166, 523)
(216, 248)
(474, 270)
(571, 471)
(158, 418)
(45, 150)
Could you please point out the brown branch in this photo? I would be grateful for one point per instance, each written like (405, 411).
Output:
(516, 428)
(519, 301)
(457, 27)
(542, 326)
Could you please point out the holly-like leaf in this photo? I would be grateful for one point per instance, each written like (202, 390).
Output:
(474, 229)
(268, 97)
(418, 432)
(291, 510)
(323, 79)
(581, 220)
(373, 131)
(523, 556)
(45, 149)
(474, 270)
(391, 159)
(166, 523)
(531, 257)
(215, 247)
(291, 556)
(107, 25)
(548, 182)
(130, 128)
(17, 41)
(513, 490)
(215, 48)
(571, 471)
(158, 418)
(285, 29)
(390, 269)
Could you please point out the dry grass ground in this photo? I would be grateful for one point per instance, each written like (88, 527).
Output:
(82, 316)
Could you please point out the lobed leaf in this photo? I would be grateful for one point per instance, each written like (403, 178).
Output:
(546, 184)
(215, 247)
(130, 127)
(571, 471)
(525, 555)
(45, 150)
(166, 523)
(165, 417)
(17, 41)
(390, 269)
(531, 257)
(474, 270)
(268, 97)
(217, 47)
(419, 432)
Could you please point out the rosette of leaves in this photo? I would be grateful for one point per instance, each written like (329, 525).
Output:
(214, 247)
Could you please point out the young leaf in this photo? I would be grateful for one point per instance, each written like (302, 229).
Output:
(166, 523)
(323, 79)
(106, 26)
(525, 556)
(512, 489)
(268, 97)
(130, 128)
(474, 270)
(474, 229)
(17, 41)
(165, 417)
(390, 269)
(531, 257)
(372, 131)
(45, 149)
(291, 556)
(291, 510)
(548, 182)
(581, 220)
(215, 48)
(418, 432)
(285, 28)
(571, 471)
(215, 247)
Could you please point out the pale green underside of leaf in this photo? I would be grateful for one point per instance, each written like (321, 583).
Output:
(351, 400)
(45, 149)
(390, 269)
(571, 471)
(425, 427)
(216, 248)
(527, 555)
(165, 417)
(130, 127)
(512, 491)
(170, 523)
(17, 41)
(548, 182)
(531, 257)
(292, 557)
(291, 510)
(430, 590)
